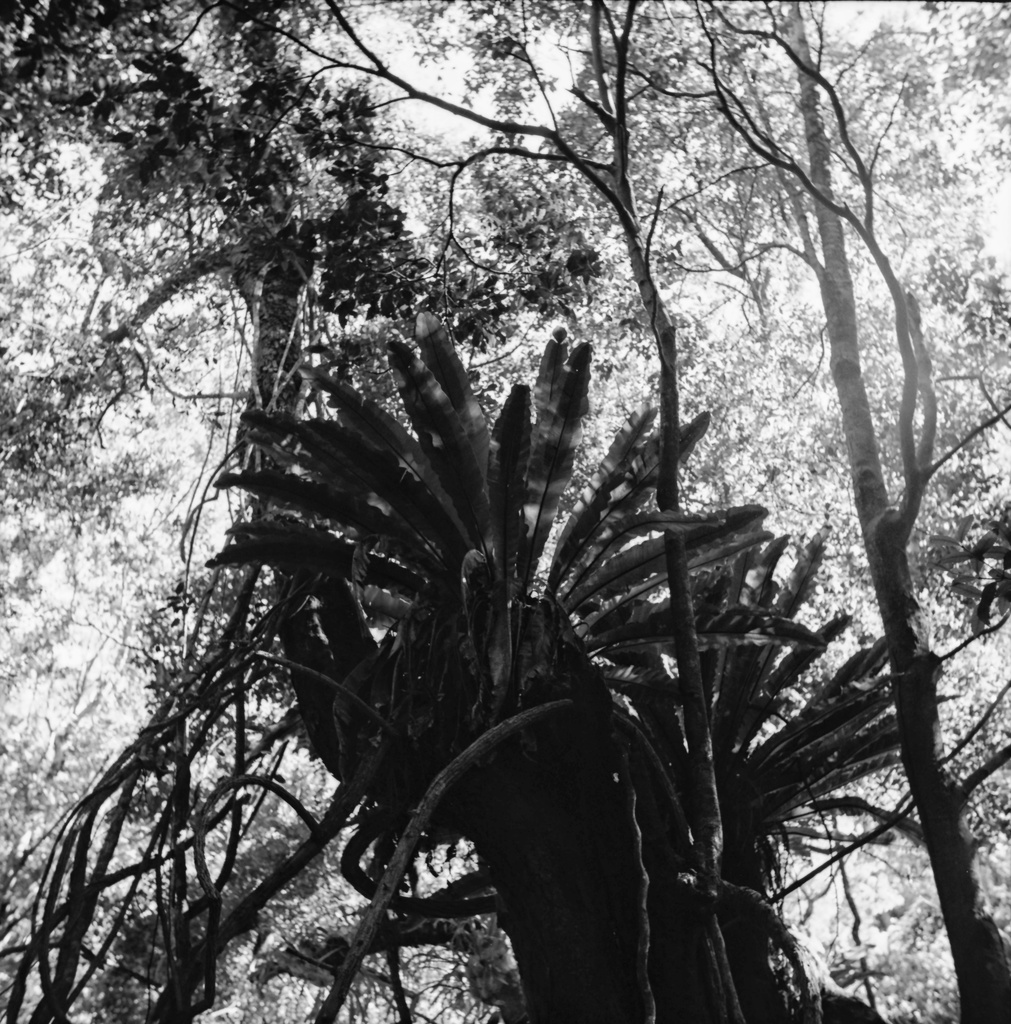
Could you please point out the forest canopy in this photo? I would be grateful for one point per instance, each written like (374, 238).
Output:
(503, 511)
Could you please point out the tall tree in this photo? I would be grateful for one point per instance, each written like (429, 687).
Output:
(981, 960)
(534, 716)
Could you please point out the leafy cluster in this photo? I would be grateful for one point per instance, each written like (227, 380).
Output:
(447, 536)
(981, 570)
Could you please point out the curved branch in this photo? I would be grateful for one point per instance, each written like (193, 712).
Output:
(975, 730)
(991, 765)
(452, 773)
(194, 269)
(201, 827)
(974, 433)
(341, 693)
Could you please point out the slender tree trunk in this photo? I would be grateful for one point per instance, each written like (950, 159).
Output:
(981, 964)
(272, 291)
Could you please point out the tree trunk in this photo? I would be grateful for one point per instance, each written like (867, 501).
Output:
(271, 291)
(981, 964)
(550, 815)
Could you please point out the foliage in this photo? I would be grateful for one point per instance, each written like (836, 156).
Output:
(164, 168)
(985, 579)
(478, 633)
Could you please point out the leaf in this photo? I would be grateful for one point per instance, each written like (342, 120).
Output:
(709, 540)
(444, 441)
(741, 625)
(440, 356)
(798, 587)
(290, 546)
(762, 691)
(595, 500)
(561, 400)
(549, 376)
(368, 463)
(616, 537)
(692, 433)
(379, 601)
(626, 493)
(507, 468)
(757, 585)
(341, 505)
(852, 731)
(737, 679)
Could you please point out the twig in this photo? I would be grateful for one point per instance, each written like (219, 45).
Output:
(984, 718)
(992, 764)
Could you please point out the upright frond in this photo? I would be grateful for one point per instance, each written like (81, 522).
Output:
(444, 440)
(596, 497)
(439, 355)
(507, 470)
(561, 398)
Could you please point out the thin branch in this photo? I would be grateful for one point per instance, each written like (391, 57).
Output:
(974, 433)
(903, 810)
(978, 727)
(537, 75)
(806, 66)
(989, 400)
(975, 637)
(817, 366)
(992, 764)
(891, 120)
(380, 70)
(341, 693)
(397, 984)
(674, 94)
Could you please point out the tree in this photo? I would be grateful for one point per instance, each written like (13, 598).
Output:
(600, 139)
(488, 646)
(980, 956)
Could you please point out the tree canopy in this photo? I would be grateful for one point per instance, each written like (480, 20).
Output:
(503, 511)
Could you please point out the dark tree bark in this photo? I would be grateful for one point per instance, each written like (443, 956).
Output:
(550, 816)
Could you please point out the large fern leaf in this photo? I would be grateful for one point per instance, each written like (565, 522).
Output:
(623, 492)
(561, 405)
(347, 509)
(710, 540)
(290, 546)
(596, 496)
(379, 431)
(344, 457)
(444, 440)
(439, 355)
(739, 625)
(507, 470)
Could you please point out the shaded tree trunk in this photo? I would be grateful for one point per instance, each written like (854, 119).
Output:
(551, 817)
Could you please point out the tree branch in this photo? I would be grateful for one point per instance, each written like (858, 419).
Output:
(192, 271)
(376, 912)
(975, 730)
(992, 764)
(974, 433)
